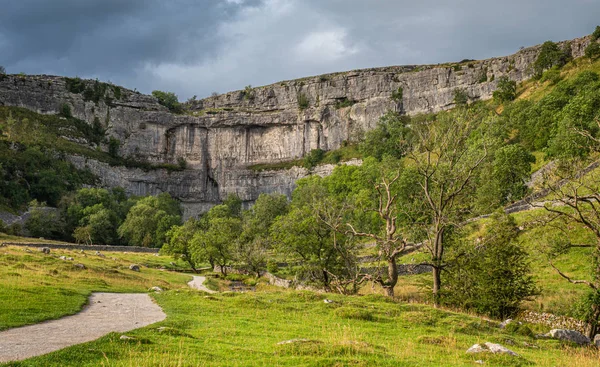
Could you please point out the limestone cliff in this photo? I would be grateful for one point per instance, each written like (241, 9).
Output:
(220, 136)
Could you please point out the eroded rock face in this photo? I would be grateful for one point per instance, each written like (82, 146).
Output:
(221, 136)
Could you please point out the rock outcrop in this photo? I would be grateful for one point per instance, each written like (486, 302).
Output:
(221, 136)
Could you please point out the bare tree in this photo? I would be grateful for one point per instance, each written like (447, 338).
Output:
(447, 163)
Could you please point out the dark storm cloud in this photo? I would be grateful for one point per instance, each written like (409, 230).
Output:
(196, 47)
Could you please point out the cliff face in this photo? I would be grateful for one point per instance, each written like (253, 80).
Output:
(220, 136)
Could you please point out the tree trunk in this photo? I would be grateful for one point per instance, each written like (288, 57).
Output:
(437, 285)
(388, 286)
(592, 326)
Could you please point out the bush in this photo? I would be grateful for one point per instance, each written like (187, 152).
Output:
(313, 158)
(65, 111)
(181, 163)
(461, 98)
(521, 329)
(303, 102)
(2, 70)
(551, 55)
(169, 100)
(248, 92)
(113, 147)
(596, 34)
(552, 75)
(593, 50)
(344, 102)
(506, 90)
(398, 94)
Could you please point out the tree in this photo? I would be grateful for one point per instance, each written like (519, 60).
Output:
(391, 137)
(179, 242)
(447, 159)
(2, 70)
(492, 276)
(551, 55)
(461, 98)
(596, 34)
(593, 51)
(506, 90)
(149, 220)
(577, 201)
(43, 221)
(169, 100)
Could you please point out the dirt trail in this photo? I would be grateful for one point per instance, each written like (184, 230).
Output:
(106, 312)
(198, 283)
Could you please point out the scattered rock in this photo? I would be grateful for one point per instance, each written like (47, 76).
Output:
(63, 258)
(26, 250)
(156, 289)
(134, 267)
(492, 348)
(45, 250)
(479, 361)
(79, 266)
(505, 323)
(295, 341)
(529, 345)
(328, 301)
(569, 335)
(125, 337)
(98, 253)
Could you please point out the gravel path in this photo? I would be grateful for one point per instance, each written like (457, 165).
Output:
(106, 312)
(198, 283)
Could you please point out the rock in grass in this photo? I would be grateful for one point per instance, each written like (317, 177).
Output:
(125, 337)
(45, 250)
(506, 322)
(79, 266)
(156, 289)
(63, 258)
(297, 341)
(491, 348)
(134, 267)
(328, 301)
(569, 335)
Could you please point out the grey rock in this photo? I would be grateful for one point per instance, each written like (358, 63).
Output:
(125, 337)
(597, 340)
(134, 267)
(491, 348)
(63, 258)
(45, 250)
(569, 335)
(222, 136)
(156, 289)
(297, 341)
(80, 266)
(328, 301)
(504, 323)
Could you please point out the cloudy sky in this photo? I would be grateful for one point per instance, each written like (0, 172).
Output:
(204, 46)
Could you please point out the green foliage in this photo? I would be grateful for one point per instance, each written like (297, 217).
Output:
(343, 103)
(234, 205)
(552, 75)
(596, 34)
(114, 145)
(391, 137)
(75, 85)
(169, 100)
(303, 101)
(179, 242)
(506, 90)
(65, 111)
(493, 276)
(483, 76)
(43, 222)
(519, 328)
(551, 55)
(149, 220)
(461, 98)
(313, 158)
(248, 93)
(593, 51)
(397, 95)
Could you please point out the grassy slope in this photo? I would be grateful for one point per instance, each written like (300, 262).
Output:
(35, 287)
(244, 329)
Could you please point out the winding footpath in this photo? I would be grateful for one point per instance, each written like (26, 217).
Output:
(105, 313)
(198, 283)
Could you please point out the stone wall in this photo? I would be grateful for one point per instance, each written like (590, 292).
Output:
(67, 246)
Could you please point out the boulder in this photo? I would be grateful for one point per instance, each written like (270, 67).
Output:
(79, 266)
(63, 258)
(597, 340)
(125, 337)
(134, 267)
(569, 335)
(156, 289)
(491, 348)
(98, 253)
(45, 250)
(505, 323)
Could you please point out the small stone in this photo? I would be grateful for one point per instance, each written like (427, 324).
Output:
(597, 340)
(476, 348)
(569, 335)
(156, 289)
(98, 253)
(499, 349)
(125, 337)
(505, 323)
(479, 361)
(328, 301)
(134, 267)
(70, 259)
(79, 266)
(63, 258)
(45, 250)
(295, 341)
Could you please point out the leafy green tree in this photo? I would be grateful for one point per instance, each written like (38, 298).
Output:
(506, 90)
(43, 222)
(448, 157)
(2, 70)
(593, 51)
(596, 34)
(551, 55)
(492, 276)
(179, 242)
(391, 137)
(149, 220)
(234, 205)
(461, 98)
(503, 181)
(313, 158)
(169, 100)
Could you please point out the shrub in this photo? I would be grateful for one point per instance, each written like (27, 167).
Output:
(596, 34)
(551, 55)
(169, 100)
(2, 70)
(248, 92)
(521, 329)
(483, 76)
(398, 94)
(313, 158)
(65, 110)
(506, 90)
(461, 98)
(181, 163)
(113, 147)
(344, 102)
(593, 50)
(75, 85)
(303, 102)
(552, 75)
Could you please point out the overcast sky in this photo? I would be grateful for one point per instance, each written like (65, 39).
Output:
(204, 46)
